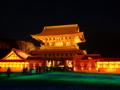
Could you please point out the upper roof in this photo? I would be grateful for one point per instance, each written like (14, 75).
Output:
(60, 29)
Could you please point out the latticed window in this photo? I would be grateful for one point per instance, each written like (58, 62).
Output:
(49, 38)
(53, 38)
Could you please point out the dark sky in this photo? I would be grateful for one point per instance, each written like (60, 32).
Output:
(99, 20)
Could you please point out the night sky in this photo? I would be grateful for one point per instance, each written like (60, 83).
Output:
(99, 20)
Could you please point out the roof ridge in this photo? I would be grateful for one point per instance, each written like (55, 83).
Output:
(58, 26)
(17, 50)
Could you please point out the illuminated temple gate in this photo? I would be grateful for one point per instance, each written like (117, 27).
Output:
(60, 45)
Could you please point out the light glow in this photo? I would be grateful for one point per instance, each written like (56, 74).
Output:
(108, 66)
(69, 63)
(59, 44)
(77, 39)
(14, 66)
(48, 63)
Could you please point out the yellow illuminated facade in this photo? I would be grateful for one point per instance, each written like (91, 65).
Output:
(14, 66)
(60, 49)
(110, 66)
(15, 61)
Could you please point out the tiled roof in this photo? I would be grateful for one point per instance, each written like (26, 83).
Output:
(110, 59)
(61, 29)
(15, 53)
(56, 50)
(34, 58)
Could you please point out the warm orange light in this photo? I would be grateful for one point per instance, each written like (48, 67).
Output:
(108, 66)
(77, 39)
(49, 63)
(105, 66)
(61, 65)
(53, 63)
(110, 70)
(13, 64)
(82, 68)
(85, 52)
(59, 44)
(116, 66)
(89, 68)
(69, 63)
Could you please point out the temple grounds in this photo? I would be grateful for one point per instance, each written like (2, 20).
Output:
(61, 80)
